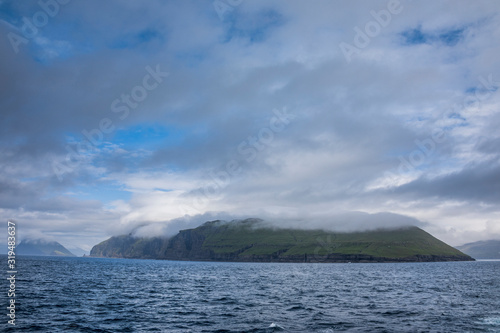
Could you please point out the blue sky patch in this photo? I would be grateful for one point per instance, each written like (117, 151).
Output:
(416, 36)
(256, 28)
(148, 136)
(451, 37)
(132, 41)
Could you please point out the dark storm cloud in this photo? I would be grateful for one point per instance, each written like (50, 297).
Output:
(476, 182)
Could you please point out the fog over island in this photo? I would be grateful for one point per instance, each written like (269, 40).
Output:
(150, 117)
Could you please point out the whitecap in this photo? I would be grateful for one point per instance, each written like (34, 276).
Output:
(274, 325)
(492, 321)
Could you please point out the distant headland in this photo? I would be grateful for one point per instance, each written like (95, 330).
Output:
(41, 247)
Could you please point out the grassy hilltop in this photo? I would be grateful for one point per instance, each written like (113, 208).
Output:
(253, 240)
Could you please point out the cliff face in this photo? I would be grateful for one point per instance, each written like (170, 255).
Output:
(187, 245)
(252, 241)
(130, 247)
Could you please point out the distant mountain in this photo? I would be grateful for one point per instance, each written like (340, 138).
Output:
(489, 249)
(79, 252)
(252, 240)
(40, 247)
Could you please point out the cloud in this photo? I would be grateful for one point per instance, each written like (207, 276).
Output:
(204, 139)
(347, 221)
(338, 222)
(476, 182)
(172, 227)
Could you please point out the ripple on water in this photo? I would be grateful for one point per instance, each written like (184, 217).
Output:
(96, 295)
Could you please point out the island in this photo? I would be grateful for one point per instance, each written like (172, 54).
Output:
(253, 240)
(42, 247)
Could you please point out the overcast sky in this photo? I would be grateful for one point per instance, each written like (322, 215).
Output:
(118, 114)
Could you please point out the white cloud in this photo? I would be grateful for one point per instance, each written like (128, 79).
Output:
(343, 151)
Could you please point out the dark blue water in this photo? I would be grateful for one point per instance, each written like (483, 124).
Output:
(114, 295)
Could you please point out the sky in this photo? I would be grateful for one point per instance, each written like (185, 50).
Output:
(160, 115)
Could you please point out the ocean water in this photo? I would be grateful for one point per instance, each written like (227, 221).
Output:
(119, 295)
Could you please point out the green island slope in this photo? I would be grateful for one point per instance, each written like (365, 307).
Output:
(252, 240)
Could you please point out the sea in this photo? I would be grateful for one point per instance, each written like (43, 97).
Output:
(56, 294)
